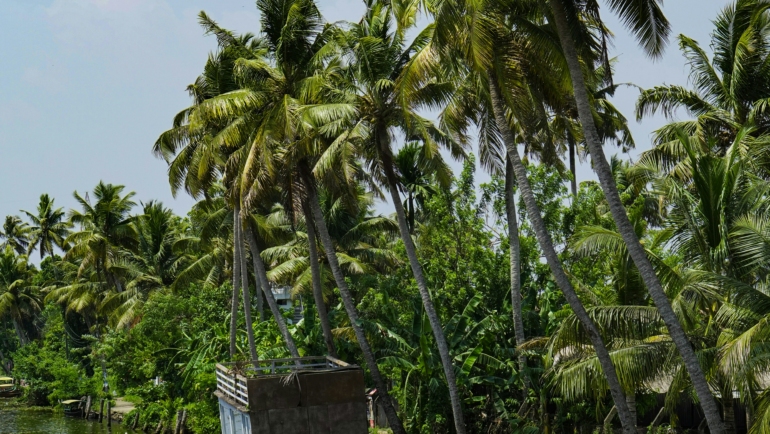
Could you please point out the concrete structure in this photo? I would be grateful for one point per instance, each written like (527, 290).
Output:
(312, 395)
(285, 301)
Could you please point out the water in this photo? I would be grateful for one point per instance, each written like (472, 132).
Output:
(21, 421)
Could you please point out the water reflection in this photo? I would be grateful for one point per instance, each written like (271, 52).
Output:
(20, 421)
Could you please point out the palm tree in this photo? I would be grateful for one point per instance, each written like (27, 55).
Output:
(470, 104)
(388, 97)
(730, 91)
(415, 182)
(16, 234)
(19, 299)
(494, 56)
(49, 228)
(650, 26)
(104, 232)
(196, 159)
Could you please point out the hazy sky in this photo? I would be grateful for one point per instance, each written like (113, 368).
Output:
(86, 86)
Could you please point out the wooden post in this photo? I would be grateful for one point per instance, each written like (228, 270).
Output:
(178, 427)
(608, 420)
(182, 428)
(101, 410)
(160, 427)
(658, 418)
(136, 420)
(88, 407)
(109, 412)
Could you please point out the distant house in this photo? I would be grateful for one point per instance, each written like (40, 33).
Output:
(285, 301)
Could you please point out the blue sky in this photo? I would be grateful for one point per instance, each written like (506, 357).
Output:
(86, 86)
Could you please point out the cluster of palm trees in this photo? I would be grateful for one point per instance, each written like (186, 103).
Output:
(310, 106)
(294, 133)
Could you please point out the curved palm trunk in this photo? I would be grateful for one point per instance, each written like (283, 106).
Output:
(515, 263)
(245, 285)
(260, 301)
(315, 273)
(635, 249)
(430, 310)
(350, 307)
(544, 239)
(263, 282)
(236, 288)
(573, 182)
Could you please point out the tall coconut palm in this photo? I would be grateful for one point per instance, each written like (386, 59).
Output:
(15, 233)
(494, 55)
(49, 227)
(388, 97)
(470, 103)
(649, 25)
(196, 159)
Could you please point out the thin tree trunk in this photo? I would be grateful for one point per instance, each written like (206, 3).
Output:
(260, 299)
(631, 401)
(236, 287)
(245, 284)
(728, 410)
(430, 310)
(546, 244)
(350, 307)
(265, 284)
(515, 263)
(573, 182)
(20, 333)
(315, 273)
(635, 249)
(411, 211)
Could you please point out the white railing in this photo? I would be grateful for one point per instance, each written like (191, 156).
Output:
(232, 385)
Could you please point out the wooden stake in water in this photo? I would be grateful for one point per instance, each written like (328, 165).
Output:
(101, 410)
(109, 412)
(88, 407)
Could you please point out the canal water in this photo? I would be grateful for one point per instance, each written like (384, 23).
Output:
(21, 421)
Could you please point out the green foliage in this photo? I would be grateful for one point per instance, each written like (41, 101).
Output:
(52, 374)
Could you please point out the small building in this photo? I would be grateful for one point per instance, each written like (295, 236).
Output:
(283, 298)
(309, 395)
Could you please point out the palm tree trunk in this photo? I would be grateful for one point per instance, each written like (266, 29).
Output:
(350, 307)
(260, 300)
(315, 273)
(411, 212)
(430, 310)
(631, 402)
(259, 266)
(728, 410)
(546, 244)
(573, 182)
(20, 333)
(635, 249)
(245, 285)
(515, 263)
(236, 287)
